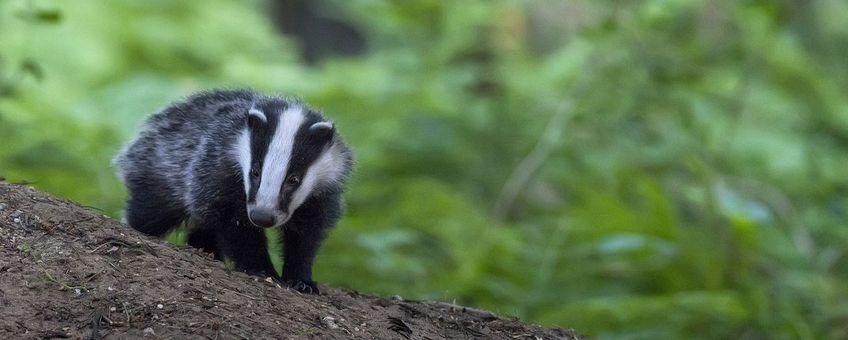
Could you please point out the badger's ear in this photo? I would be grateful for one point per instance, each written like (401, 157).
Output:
(322, 131)
(256, 118)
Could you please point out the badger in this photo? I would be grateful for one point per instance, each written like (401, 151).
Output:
(230, 163)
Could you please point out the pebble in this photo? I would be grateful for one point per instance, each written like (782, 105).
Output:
(330, 322)
(149, 331)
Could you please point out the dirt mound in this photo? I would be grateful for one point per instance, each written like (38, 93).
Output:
(66, 272)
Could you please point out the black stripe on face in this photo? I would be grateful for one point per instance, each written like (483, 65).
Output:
(260, 138)
(306, 149)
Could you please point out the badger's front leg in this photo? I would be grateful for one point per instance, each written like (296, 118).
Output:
(236, 240)
(300, 246)
(302, 237)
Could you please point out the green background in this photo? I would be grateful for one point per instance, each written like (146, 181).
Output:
(631, 169)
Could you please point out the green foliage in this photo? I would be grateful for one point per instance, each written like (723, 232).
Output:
(647, 169)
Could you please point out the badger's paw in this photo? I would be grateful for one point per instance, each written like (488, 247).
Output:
(304, 286)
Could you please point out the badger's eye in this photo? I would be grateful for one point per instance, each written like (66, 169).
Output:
(293, 180)
(254, 173)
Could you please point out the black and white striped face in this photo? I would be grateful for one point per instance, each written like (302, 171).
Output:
(286, 153)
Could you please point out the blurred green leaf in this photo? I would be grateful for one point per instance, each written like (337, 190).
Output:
(32, 68)
(49, 16)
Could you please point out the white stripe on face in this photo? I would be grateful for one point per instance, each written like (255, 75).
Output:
(328, 168)
(242, 151)
(276, 163)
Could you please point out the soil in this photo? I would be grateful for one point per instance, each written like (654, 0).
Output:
(67, 272)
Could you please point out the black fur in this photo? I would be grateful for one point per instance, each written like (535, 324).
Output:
(181, 168)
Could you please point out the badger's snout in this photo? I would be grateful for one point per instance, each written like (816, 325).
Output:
(262, 218)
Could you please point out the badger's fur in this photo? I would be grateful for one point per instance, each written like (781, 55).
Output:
(230, 162)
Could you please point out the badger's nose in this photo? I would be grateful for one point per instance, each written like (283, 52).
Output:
(262, 218)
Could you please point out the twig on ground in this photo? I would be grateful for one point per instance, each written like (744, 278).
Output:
(55, 280)
(485, 315)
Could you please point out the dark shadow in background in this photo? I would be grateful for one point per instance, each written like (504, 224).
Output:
(319, 27)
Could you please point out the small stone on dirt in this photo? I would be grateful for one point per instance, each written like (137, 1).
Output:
(329, 322)
(149, 332)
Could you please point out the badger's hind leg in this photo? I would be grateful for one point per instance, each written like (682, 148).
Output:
(150, 210)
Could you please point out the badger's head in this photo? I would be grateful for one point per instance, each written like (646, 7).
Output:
(286, 153)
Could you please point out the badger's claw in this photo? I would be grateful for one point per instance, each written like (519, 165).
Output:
(304, 286)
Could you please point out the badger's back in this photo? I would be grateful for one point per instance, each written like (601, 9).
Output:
(172, 140)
